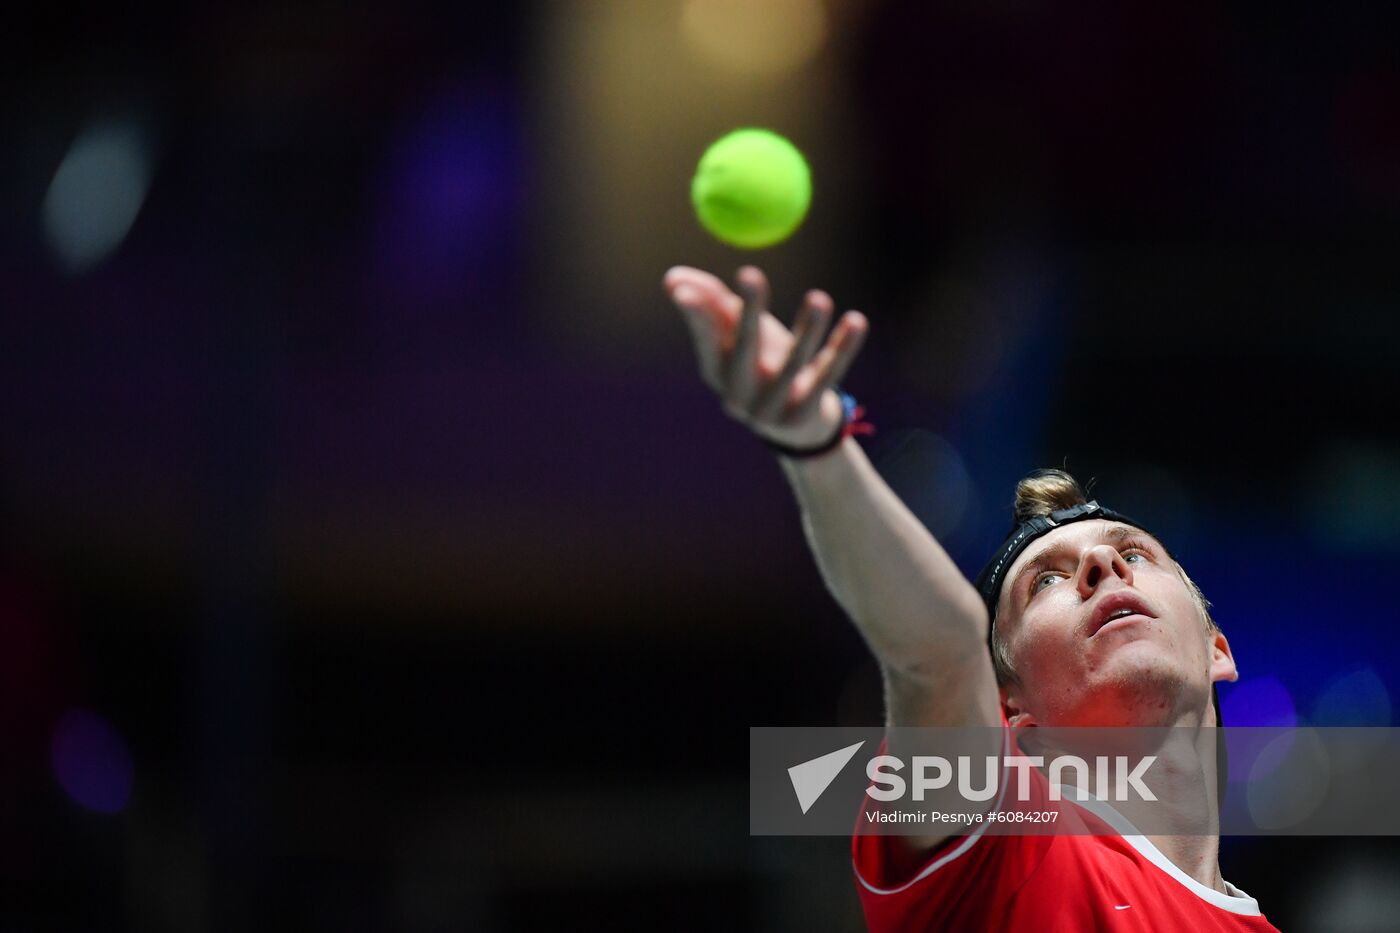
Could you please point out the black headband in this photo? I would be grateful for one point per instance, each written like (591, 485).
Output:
(989, 581)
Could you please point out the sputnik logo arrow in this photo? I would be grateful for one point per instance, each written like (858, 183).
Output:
(811, 778)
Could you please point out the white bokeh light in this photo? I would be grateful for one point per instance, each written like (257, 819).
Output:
(96, 193)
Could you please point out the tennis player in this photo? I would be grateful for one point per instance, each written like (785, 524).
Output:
(1081, 618)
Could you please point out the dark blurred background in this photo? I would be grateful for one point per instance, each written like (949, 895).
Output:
(373, 557)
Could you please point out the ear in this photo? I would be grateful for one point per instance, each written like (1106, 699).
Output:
(1222, 662)
(1017, 717)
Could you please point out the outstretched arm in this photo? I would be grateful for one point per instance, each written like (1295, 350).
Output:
(922, 619)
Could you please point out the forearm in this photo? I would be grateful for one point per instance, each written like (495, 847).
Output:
(924, 622)
(917, 612)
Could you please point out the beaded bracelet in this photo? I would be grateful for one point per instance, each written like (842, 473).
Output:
(852, 422)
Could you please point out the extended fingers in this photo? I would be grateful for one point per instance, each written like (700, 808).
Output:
(737, 342)
(813, 318)
(847, 346)
(831, 363)
(742, 366)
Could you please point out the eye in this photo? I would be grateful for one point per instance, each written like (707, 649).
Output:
(1135, 551)
(1044, 579)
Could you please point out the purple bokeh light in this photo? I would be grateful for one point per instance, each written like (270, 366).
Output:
(92, 762)
(1359, 698)
(1263, 701)
(450, 199)
(1258, 701)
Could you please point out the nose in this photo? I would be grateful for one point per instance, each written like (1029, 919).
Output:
(1102, 562)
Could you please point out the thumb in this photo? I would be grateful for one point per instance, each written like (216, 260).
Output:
(702, 332)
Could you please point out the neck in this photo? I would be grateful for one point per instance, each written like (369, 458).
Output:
(1198, 856)
(1183, 821)
(1190, 767)
(1188, 814)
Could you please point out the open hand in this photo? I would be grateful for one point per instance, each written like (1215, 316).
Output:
(777, 381)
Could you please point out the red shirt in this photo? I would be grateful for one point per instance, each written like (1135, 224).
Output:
(1116, 880)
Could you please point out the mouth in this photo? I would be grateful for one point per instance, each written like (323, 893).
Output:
(1117, 610)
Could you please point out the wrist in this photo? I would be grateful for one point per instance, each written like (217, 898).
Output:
(852, 423)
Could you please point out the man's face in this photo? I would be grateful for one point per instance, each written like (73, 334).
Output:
(1103, 630)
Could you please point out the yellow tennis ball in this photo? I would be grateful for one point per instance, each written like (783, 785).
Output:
(752, 189)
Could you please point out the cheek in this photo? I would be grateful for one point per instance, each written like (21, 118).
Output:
(1178, 601)
(1047, 640)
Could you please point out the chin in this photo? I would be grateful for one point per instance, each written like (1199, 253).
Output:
(1140, 688)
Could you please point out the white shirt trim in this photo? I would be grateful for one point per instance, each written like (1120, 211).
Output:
(958, 850)
(1236, 901)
